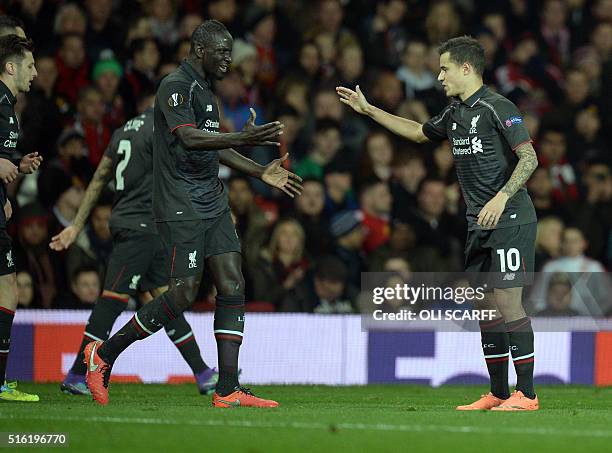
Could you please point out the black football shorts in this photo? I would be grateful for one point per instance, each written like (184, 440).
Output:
(189, 243)
(138, 262)
(505, 255)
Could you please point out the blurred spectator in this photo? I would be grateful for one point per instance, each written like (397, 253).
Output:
(325, 145)
(349, 233)
(93, 246)
(33, 255)
(85, 287)
(403, 245)
(408, 172)
(442, 22)
(375, 199)
(385, 35)
(25, 291)
(106, 76)
(558, 297)
(376, 158)
(251, 222)
(576, 96)
(72, 67)
(103, 31)
(555, 35)
(414, 73)
(587, 141)
(444, 162)
(593, 214)
(69, 167)
(350, 65)
(434, 227)
(163, 18)
(591, 284)
(548, 241)
(282, 265)
(325, 292)
(246, 64)
(70, 18)
(261, 26)
(552, 151)
(338, 187)
(139, 75)
(90, 122)
(540, 189)
(309, 212)
(387, 92)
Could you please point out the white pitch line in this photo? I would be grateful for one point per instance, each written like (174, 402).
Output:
(324, 426)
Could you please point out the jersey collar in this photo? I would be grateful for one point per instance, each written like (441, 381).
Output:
(5, 92)
(471, 101)
(189, 69)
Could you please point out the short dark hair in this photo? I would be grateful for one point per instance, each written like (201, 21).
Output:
(12, 46)
(325, 124)
(205, 32)
(465, 49)
(8, 24)
(84, 269)
(331, 268)
(138, 45)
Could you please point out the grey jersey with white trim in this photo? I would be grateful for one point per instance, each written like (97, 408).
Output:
(484, 130)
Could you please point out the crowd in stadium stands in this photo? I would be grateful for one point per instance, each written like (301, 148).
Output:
(371, 202)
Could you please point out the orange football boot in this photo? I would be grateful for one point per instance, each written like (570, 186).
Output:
(241, 397)
(98, 373)
(518, 402)
(486, 402)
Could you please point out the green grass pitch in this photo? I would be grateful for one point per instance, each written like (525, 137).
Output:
(174, 418)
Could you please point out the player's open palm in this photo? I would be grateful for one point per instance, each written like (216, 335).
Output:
(265, 135)
(277, 176)
(64, 239)
(355, 99)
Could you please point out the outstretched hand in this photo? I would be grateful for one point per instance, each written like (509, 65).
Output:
(264, 135)
(64, 239)
(354, 99)
(277, 176)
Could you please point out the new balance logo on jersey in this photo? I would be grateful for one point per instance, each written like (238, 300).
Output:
(510, 276)
(513, 216)
(11, 120)
(9, 259)
(135, 280)
(192, 259)
(454, 126)
(209, 107)
(474, 121)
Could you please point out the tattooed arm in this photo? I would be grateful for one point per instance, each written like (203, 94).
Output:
(528, 162)
(490, 214)
(100, 179)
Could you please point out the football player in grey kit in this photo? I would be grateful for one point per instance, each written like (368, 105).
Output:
(494, 158)
(191, 209)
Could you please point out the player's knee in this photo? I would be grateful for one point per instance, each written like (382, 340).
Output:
(184, 291)
(232, 286)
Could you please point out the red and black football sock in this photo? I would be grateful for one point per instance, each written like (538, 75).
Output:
(495, 346)
(179, 331)
(99, 326)
(523, 355)
(6, 323)
(145, 322)
(229, 328)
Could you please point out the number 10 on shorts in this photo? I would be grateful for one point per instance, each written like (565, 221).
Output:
(509, 259)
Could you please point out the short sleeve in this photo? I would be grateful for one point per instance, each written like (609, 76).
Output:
(510, 123)
(174, 103)
(435, 128)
